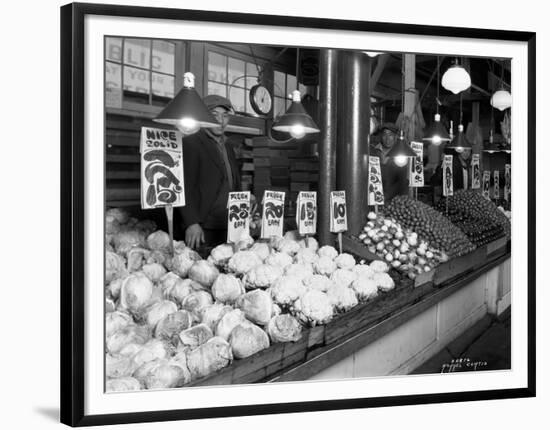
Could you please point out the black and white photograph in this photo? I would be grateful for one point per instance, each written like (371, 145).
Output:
(274, 214)
(202, 291)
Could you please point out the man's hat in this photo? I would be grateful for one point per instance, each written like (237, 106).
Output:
(389, 126)
(213, 100)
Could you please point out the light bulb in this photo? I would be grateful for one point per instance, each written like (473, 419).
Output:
(459, 149)
(188, 126)
(436, 139)
(297, 131)
(400, 160)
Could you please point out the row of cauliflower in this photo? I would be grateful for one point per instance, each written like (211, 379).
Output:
(173, 317)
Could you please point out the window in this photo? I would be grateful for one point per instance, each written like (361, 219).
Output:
(283, 85)
(139, 70)
(232, 78)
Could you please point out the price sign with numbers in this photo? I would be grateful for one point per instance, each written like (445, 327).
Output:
(416, 172)
(507, 181)
(496, 185)
(272, 214)
(238, 216)
(448, 175)
(306, 212)
(161, 168)
(486, 184)
(476, 173)
(376, 192)
(338, 212)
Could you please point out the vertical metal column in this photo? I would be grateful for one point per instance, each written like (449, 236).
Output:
(328, 61)
(353, 134)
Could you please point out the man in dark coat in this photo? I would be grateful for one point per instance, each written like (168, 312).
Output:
(395, 181)
(211, 172)
(462, 177)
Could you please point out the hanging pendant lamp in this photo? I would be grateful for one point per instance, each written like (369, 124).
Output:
(501, 99)
(372, 54)
(187, 112)
(401, 151)
(296, 121)
(459, 142)
(436, 132)
(456, 79)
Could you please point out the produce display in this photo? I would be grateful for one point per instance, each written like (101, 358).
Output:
(399, 247)
(172, 319)
(476, 216)
(471, 207)
(430, 225)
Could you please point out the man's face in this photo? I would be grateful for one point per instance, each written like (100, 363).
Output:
(388, 139)
(465, 155)
(222, 116)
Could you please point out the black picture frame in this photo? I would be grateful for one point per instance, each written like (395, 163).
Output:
(73, 212)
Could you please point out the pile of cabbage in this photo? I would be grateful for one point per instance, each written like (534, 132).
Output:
(175, 318)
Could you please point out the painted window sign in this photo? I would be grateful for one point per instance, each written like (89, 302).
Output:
(338, 212)
(306, 213)
(238, 216)
(272, 214)
(486, 184)
(507, 181)
(496, 185)
(161, 168)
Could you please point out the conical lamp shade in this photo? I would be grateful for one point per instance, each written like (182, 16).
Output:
(295, 116)
(187, 105)
(436, 133)
(401, 149)
(460, 142)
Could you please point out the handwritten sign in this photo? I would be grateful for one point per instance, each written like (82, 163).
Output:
(161, 168)
(496, 185)
(476, 173)
(338, 212)
(486, 184)
(448, 175)
(238, 216)
(272, 214)
(507, 181)
(306, 212)
(376, 192)
(416, 166)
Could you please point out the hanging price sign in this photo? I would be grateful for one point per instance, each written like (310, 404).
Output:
(476, 173)
(496, 185)
(376, 192)
(486, 184)
(161, 168)
(416, 166)
(448, 175)
(272, 214)
(338, 212)
(507, 181)
(306, 212)
(238, 216)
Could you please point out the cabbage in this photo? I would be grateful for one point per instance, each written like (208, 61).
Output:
(211, 356)
(136, 292)
(120, 215)
(211, 315)
(158, 311)
(181, 263)
(228, 322)
(177, 291)
(118, 366)
(172, 325)
(256, 305)
(221, 254)
(195, 336)
(126, 335)
(159, 241)
(137, 257)
(204, 273)
(284, 328)
(195, 302)
(114, 267)
(116, 320)
(152, 350)
(154, 271)
(124, 241)
(247, 339)
(114, 287)
(227, 288)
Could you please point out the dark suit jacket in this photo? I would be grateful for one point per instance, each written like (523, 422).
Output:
(205, 177)
(458, 178)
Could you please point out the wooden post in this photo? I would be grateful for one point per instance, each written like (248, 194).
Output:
(409, 106)
(170, 217)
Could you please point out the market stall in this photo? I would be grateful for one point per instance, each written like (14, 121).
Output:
(319, 275)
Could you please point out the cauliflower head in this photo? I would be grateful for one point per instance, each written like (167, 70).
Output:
(343, 277)
(279, 259)
(243, 261)
(363, 271)
(345, 261)
(262, 276)
(379, 266)
(122, 384)
(314, 308)
(365, 288)
(286, 290)
(318, 282)
(324, 266)
(300, 271)
(221, 254)
(262, 249)
(384, 281)
(328, 251)
(286, 246)
(342, 298)
(306, 256)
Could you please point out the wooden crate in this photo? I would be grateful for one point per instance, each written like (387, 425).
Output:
(459, 265)
(355, 246)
